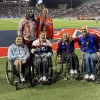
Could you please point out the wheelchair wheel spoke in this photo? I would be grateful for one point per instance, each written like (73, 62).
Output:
(9, 72)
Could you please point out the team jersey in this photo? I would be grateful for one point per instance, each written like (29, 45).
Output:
(27, 29)
(65, 47)
(89, 44)
(41, 48)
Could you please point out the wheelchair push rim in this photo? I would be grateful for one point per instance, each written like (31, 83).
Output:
(9, 72)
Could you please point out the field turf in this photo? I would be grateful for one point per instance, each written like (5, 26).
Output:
(61, 90)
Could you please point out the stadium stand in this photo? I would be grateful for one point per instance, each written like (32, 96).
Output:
(87, 10)
(11, 10)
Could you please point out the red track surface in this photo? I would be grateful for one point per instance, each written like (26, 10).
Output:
(3, 50)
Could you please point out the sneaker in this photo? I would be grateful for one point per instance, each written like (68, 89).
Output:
(92, 77)
(71, 71)
(22, 80)
(44, 78)
(65, 78)
(86, 77)
(75, 72)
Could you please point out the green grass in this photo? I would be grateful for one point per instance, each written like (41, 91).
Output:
(61, 90)
(59, 23)
(12, 24)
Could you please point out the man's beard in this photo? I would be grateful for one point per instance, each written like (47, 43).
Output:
(86, 34)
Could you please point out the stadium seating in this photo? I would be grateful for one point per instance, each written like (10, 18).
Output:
(90, 9)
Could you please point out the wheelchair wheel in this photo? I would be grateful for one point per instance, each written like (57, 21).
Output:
(9, 72)
(98, 71)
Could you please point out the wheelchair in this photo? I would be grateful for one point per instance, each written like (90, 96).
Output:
(97, 69)
(49, 73)
(12, 74)
(64, 67)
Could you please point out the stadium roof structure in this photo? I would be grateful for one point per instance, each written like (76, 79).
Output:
(16, 1)
(24, 0)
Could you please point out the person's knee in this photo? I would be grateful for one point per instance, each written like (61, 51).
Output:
(17, 62)
(24, 61)
(86, 56)
(44, 60)
(38, 61)
(94, 57)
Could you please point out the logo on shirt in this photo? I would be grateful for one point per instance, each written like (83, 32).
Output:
(62, 43)
(48, 23)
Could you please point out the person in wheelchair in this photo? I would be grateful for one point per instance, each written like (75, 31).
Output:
(18, 53)
(89, 44)
(65, 52)
(42, 49)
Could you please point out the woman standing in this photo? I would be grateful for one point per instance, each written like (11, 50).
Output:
(45, 23)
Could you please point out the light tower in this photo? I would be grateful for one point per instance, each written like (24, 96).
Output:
(40, 4)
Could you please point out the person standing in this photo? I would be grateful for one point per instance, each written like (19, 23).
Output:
(27, 29)
(45, 23)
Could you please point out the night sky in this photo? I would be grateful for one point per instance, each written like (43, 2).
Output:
(54, 3)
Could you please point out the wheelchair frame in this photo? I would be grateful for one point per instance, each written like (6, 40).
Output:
(10, 69)
(49, 74)
(61, 69)
(97, 68)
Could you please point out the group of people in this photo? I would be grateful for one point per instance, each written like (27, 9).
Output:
(32, 41)
(35, 38)
(89, 44)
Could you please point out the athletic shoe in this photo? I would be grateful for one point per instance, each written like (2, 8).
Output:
(92, 77)
(22, 80)
(44, 78)
(71, 71)
(75, 72)
(65, 78)
(86, 77)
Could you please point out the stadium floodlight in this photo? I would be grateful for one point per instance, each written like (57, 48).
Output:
(39, 1)
(40, 4)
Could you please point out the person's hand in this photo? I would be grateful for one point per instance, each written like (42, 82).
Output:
(98, 54)
(59, 57)
(36, 50)
(33, 51)
(82, 53)
(46, 56)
